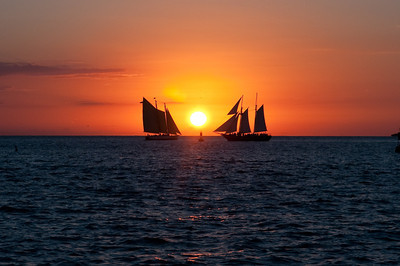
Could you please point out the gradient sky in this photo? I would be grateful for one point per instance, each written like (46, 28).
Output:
(82, 67)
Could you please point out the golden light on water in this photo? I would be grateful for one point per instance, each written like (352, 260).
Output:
(198, 119)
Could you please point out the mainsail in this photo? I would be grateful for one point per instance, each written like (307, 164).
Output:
(157, 121)
(259, 122)
(152, 118)
(244, 126)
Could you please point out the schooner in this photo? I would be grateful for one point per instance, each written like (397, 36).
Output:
(232, 132)
(159, 123)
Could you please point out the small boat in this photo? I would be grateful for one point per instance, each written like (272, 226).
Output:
(201, 137)
(398, 143)
(157, 123)
(230, 130)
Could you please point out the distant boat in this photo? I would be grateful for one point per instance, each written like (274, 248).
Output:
(201, 137)
(158, 124)
(237, 127)
(398, 143)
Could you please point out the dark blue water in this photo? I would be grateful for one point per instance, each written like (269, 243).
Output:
(123, 200)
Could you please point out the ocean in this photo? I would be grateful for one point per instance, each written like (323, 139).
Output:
(124, 200)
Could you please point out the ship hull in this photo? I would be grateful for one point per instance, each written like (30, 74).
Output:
(161, 137)
(247, 137)
(397, 148)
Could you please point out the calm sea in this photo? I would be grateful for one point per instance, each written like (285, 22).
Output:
(124, 200)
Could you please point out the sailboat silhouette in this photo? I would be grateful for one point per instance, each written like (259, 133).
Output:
(159, 123)
(231, 132)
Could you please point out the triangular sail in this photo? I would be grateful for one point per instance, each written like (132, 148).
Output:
(172, 128)
(244, 126)
(233, 125)
(151, 118)
(259, 123)
(234, 108)
(228, 125)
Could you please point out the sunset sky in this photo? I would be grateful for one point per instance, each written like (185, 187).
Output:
(82, 67)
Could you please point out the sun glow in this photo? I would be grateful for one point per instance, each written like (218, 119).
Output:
(198, 119)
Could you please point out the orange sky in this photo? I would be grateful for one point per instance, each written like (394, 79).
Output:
(82, 67)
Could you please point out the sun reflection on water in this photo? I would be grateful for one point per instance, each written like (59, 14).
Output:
(203, 217)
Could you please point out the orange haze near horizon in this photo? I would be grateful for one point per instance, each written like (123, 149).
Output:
(321, 68)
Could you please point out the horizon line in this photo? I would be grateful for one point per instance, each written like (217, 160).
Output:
(61, 135)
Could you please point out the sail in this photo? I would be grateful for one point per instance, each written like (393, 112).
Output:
(172, 128)
(233, 126)
(162, 126)
(244, 126)
(228, 125)
(259, 123)
(151, 118)
(234, 108)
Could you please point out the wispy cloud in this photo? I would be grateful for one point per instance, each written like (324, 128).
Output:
(7, 68)
(113, 75)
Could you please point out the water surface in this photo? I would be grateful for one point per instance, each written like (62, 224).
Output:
(123, 200)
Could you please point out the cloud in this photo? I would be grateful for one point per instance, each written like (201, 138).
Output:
(63, 70)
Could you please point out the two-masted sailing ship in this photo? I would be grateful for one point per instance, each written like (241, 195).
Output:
(237, 127)
(158, 124)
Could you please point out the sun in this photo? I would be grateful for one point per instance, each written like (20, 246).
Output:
(198, 119)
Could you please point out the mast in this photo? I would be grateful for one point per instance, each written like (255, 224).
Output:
(255, 114)
(256, 102)
(241, 106)
(166, 119)
(240, 115)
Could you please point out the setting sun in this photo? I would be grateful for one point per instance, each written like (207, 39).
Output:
(198, 119)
